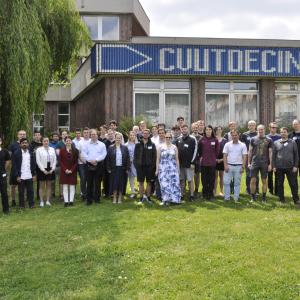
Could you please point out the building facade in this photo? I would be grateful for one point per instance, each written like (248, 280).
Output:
(130, 73)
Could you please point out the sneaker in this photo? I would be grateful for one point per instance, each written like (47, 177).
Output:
(236, 200)
(227, 200)
(42, 204)
(148, 199)
(132, 196)
(48, 203)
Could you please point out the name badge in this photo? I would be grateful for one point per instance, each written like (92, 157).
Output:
(213, 143)
(186, 145)
(150, 147)
(285, 144)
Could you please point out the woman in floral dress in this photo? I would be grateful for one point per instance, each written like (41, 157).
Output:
(167, 170)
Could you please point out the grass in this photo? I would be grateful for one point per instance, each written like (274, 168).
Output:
(200, 250)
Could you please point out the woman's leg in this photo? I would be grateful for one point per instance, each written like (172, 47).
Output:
(48, 191)
(72, 193)
(221, 182)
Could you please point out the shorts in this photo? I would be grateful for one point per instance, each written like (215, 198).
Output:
(220, 166)
(12, 179)
(187, 174)
(145, 173)
(263, 170)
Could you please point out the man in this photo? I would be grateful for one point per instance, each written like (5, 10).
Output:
(103, 133)
(285, 162)
(144, 161)
(113, 126)
(24, 169)
(155, 136)
(295, 135)
(274, 136)
(4, 159)
(231, 126)
(180, 121)
(54, 140)
(176, 133)
(36, 143)
(78, 138)
(197, 136)
(259, 160)
(187, 153)
(246, 138)
(13, 180)
(93, 154)
(201, 126)
(235, 158)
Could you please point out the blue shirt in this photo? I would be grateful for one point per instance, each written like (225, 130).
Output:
(94, 151)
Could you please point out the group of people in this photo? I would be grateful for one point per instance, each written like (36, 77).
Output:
(167, 164)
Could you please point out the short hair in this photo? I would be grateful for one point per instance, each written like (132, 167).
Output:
(252, 121)
(154, 126)
(113, 122)
(161, 129)
(180, 118)
(185, 125)
(86, 128)
(36, 131)
(104, 126)
(55, 133)
(261, 126)
(234, 131)
(146, 129)
(77, 130)
(284, 128)
(271, 123)
(161, 125)
(118, 134)
(176, 127)
(23, 140)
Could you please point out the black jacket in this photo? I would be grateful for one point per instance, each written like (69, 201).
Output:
(111, 158)
(187, 151)
(16, 161)
(145, 155)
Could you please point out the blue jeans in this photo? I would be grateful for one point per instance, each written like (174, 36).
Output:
(82, 176)
(235, 173)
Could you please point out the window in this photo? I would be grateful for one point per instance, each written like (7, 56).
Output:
(230, 100)
(162, 101)
(64, 116)
(102, 27)
(38, 123)
(286, 102)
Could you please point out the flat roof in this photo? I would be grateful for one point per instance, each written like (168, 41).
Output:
(216, 41)
(94, 7)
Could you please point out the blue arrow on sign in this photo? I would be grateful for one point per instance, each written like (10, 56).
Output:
(127, 60)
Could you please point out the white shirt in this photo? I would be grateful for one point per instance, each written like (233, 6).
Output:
(25, 167)
(235, 152)
(81, 144)
(76, 142)
(118, 157)
(155, 140)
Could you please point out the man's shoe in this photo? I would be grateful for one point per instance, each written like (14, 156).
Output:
(13, 203)
(71, 204)
(42, 204)
(66, 204)
(192, 199)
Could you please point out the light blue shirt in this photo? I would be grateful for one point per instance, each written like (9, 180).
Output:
(118, 157)
(94, 151)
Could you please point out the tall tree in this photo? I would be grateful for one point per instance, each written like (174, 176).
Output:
(38, 40)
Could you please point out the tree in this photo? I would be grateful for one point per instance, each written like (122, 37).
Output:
(39, 39)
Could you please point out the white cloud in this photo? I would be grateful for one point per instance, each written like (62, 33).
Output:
(277, 19)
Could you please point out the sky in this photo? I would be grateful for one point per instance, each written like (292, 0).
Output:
(259, 19)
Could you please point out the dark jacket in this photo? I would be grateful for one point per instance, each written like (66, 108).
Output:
(187, 151)
(285, 154)
(144, 155)
(208, 151)
(16, 161)
(246, 138)
(111, 158)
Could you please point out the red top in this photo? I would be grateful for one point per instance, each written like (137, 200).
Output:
(68, 161)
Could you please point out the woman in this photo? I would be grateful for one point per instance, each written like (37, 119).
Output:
(132, 172)
(46, 162)
(68, 171)
(118, 164)
(167, 170)
(208, 152)
(220, 164)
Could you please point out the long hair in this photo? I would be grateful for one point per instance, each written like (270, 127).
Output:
(212, 129)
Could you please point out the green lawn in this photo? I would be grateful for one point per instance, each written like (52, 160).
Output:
(201, 250)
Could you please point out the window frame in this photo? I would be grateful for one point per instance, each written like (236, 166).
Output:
(162, 96)
(232, 92)
(58, 114)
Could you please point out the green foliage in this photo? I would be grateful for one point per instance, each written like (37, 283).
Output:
(126, 123)
(38, 39)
